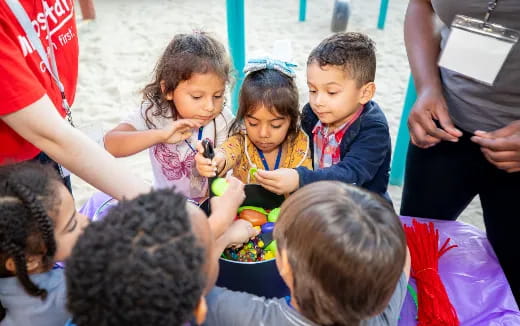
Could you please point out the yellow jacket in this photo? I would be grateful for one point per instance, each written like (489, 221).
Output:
(295, 153)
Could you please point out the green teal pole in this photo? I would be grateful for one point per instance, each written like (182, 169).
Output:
(383, 8)
(403, 137)
(237, 44)
(303, 10)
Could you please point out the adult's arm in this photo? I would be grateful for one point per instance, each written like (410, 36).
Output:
(423, 48)
(40, 124)
(422, 45)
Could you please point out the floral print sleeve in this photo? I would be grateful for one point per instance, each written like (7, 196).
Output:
(308, 161)
(300, 154)
(233, 148)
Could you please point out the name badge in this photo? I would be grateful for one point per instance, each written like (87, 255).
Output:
(477, 49)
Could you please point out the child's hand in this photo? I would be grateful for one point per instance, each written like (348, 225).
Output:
(281, 181)
(232, 198)
(239, 233)
(224, 208)
(206, 167)
(179, 130)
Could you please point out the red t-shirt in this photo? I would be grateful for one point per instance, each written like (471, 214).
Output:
(23, 76)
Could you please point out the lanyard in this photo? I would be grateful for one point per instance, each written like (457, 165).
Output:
(492, 4)
(264, 161)
(199, 137)
(287, 299)
(51, 66)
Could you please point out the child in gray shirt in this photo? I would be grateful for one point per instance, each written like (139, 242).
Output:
(342, 253)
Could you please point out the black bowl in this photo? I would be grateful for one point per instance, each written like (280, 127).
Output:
(259, 278)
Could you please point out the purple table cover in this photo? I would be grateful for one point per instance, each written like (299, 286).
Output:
(474, 280)
(97, 206)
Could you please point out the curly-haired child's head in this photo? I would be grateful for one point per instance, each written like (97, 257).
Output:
(341, 251)
(268, 108)
(143, 264)
(38, 223)
(189, 79)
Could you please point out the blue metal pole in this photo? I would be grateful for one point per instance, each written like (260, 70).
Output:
(403, 137)
(383, 8)
(303, 10)
(237, 44)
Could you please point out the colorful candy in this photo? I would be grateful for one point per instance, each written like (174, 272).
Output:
(252, 251)
(252, 171)
(253, 208)
(273, 215)
(219, 186)
(267, 227)
(269, 255)
(272, 247)
(261, 247)
(256, 218)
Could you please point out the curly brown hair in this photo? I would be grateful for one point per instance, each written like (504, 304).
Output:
(185, 55)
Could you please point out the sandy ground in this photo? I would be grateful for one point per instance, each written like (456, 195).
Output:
(120, 49)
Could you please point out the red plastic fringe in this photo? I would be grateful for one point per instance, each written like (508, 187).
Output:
(435, 308)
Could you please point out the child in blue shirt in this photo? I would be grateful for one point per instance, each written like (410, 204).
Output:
(348, 132)
(39, 226)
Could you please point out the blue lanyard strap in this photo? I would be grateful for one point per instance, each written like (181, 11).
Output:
(288, 300)
(264, 161)
(199, 137)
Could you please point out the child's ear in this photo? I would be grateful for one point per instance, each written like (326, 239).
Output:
(10, 265)
(284, 268)
(201, 311)
(169, 96)
(367, 92)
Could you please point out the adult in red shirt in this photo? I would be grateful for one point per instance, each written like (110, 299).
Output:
(31, 112)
